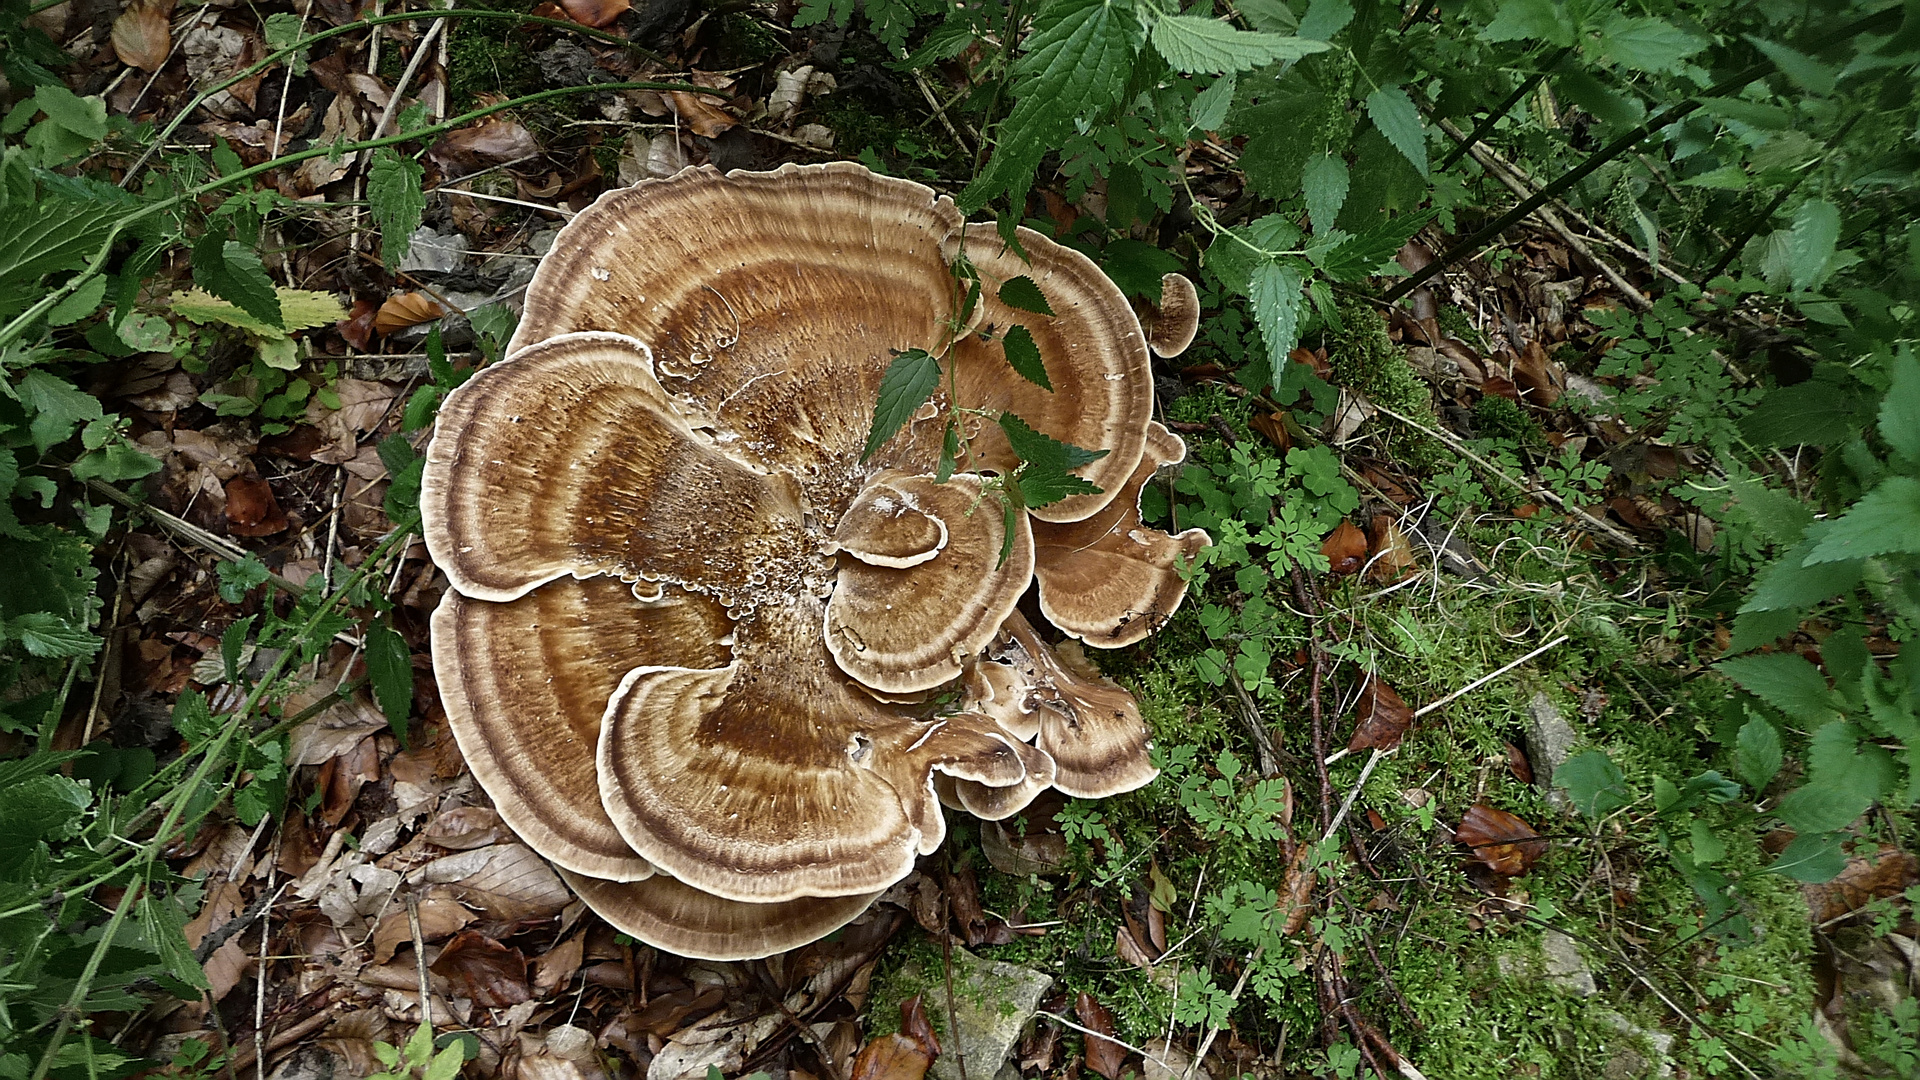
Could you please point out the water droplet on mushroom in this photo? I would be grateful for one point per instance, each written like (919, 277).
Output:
(601, 273)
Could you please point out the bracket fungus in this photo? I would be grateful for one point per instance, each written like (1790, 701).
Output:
(697, 636)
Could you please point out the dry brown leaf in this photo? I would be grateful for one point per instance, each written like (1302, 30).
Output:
(505, 881)
(555, 968)
(1383, 717)
(466, 827)
(1128, 947)
(357, 327)
(703, 117)
(1389, 553)
(142, 37)
(1536, 375)
(1866, 878)
(1274, 426)
(1296, 891)
(251, 508)
(1518, 764)
(1345, 549)
(490, 142)
(404, 310)
(438, 919)
(979, 928)
(594, 13)
(481, 968)
(1505, 844)
(1104, 1055)
(903, 1055)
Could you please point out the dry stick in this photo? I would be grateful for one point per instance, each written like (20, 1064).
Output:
(1494, 115)
(1063, 1021)
(1580, 517)
(1367, 770)
(260, 982)
(1665, 118)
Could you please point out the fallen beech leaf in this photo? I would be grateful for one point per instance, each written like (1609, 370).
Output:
(1296, 891)
(1104, 1055)
(1517, 762)
(404, 310)
(1383, 717)
(251, 508)
(1505, 844)
(1537, 376)
(142, 37)
(1274, 426)
(438, 919)
(1313, 359)
(1128, 948)
(357, 327)
(705, 119)
(481, 968)
(1866, 878)
(1389, 553)
(1497, 383)
(1345, 549)
(979, 928)
(903, 1055)
(594, 13)
(489, 142)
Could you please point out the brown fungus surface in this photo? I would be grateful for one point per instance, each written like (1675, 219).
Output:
(695, 643)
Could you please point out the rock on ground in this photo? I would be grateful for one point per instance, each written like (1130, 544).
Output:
(992, 1004)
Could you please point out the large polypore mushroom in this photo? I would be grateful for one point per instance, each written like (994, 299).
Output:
(694, 635)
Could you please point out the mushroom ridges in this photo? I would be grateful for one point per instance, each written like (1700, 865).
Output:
(692, 636)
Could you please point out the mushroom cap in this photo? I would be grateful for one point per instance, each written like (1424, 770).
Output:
(1173, 322)
(525, 684)
(904, 630)
(669, 915)
(886, 526)
(1109, 579)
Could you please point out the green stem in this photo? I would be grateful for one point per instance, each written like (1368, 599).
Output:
(15, 329)
(1624, 143)
(85, 982)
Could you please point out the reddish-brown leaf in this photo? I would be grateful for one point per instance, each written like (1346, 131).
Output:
(1129, 948)
(490, 142)
(915, 1025)
(979, 928)
(903, 1055)
(703, 117)
(1389, 554)
(1296, 891)
(1104, 1055)
(483, 969)
(1274, 426)
(1345, 549)
(142, 37)
(1517, 762)
(1539, 379)
(404, 310)
(357, 327)
(1383, 717)
(1505, 844)
(594, 13)
(251, 508)
(1866, 878)
(1313, 359)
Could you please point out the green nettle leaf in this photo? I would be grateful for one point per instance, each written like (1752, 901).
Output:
(1752, 629)
(1646, 43)
(1757, 756)
(1274, 16)
(1210, 106)
(1047, 477)
(1535, 20)
(1900, 409)
(1816, 227)
(1024, 356)
(1079, 57)
(1818, 411)
(1323, 183)
(1823, 807)
(79, 303)
(1594, 783)
(1885, 520)
(909, 381)
(1394, 114)
(282, 32)
(1787, 682)
(58, 407)
(1325, 18)
(1193, 44)
(1275, 291)
(233, 272)
(1810, 74)
(1024, 294)
(393, 191)
(390, 670)
(163, 924)
(51, 636)
(84, 116)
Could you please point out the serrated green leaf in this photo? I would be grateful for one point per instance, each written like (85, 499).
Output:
(50, 636)
(1193, 44)
(1644, 43)
(1325, 18)
(233, 647)
(1818, 412)
(1810, 243)
(1594, 96)
(949, 453)
(1787, 682)
(1274, 289)
(1394, 115)
(1046, 477)
(1024, 356)
(1900, 409)
(84, 116)
(909, 381)
(1594, 783)
(1757, 756)
(164, 925)
(1522, 20)
(234, 273)
(283, 31)
(1885, 520)
(58, 407)
(1724, 178)
(1754, 114)
(393, 193)
(390, 670)
(79, 303)
(1810, 74)
(1822, 808)
(1811, 858)
(1752, 629)
(1323, 183)
(300, 309)
(1209, 110)
(1023, 293)
(1273, 16)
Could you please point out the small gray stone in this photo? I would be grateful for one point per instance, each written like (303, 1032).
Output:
(1566, 968)
(1550, 742)
(430, 252)
(992, 1003)
(1629, 1059)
